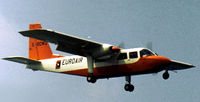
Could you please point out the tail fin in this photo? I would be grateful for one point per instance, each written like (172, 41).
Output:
(39, 49)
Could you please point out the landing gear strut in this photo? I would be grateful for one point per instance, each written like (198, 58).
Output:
(91, 78)
(128, 86)
(165, 75)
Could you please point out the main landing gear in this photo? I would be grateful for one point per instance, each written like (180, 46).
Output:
(165, 75)
(128, 86)
(91, 79)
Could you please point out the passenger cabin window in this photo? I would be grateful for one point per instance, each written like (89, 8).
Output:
(133, 55)
(122, 56)
(145, 52)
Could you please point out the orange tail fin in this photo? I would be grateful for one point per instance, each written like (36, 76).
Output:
(39, 49)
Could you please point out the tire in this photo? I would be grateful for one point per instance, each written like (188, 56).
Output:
(129, 87)
(91, 79)
(165, 75)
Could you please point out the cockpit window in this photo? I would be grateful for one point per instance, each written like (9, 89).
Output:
(145, 52)
(133, 55)
(122, 56)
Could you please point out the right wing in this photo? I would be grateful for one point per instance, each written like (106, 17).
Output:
(22, 60)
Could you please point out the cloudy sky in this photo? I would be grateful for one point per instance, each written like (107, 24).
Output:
(172, 25)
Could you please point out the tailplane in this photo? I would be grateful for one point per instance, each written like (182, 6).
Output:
(38, 50)
(22, 60)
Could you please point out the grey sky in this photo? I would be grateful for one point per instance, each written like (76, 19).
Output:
(172, 25)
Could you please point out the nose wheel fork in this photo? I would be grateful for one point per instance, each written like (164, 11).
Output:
(165, 75)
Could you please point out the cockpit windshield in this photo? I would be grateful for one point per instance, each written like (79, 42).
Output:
(145, 52)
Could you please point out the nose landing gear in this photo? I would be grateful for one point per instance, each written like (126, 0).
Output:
(128, 86)
(165, 75)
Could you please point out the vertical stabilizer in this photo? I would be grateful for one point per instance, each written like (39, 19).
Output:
(39, 49)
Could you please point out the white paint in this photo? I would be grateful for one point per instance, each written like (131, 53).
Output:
(50, 64)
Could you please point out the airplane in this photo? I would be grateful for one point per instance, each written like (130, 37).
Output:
(91, 59)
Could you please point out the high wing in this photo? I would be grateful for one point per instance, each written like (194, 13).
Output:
(176, 65)
(66, 43)
(22, 60)
(70, 44)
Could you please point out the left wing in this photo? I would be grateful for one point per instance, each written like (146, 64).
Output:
(176, 65)
(71, 44)
(66, 43)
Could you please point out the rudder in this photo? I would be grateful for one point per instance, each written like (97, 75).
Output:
(39, 49)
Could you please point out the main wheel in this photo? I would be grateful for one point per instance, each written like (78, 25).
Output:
(91, 79)
(129, 87)
(165, 75)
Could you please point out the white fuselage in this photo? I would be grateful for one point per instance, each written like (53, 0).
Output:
(75, 62)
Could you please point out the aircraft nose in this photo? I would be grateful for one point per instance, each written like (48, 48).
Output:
(159, 59)
(163, 59)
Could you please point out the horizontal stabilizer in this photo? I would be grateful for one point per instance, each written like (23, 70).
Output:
(176, 65)
(22, 60)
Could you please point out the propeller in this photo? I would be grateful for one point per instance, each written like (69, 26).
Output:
(149, 45)
(121, 45)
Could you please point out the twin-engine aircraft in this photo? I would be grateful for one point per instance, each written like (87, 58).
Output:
(92, 60)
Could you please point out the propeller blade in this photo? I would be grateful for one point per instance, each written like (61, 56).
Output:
(149, 45)
(121, 45)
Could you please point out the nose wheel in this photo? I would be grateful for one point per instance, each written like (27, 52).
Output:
(128, 86)
(165, 75)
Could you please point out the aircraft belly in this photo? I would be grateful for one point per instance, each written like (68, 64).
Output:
(139, 67)
(105, 69)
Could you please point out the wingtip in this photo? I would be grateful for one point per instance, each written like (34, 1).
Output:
(193, 66)
(22, 33)
(6, 58)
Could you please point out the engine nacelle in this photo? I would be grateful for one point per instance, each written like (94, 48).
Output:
(105, 50)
